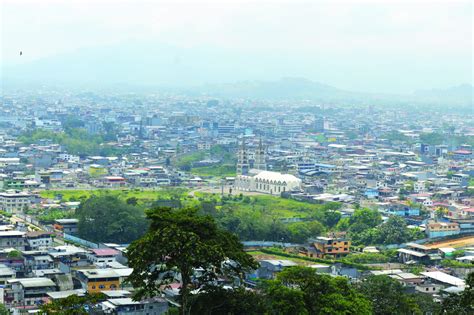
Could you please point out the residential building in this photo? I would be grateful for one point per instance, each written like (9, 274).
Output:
(15, 201)
(68, 226)
(27, 291)
(12, 239)
(441, 229)
(127, 306)
(38, 240)
(331, 246)
(97, 280)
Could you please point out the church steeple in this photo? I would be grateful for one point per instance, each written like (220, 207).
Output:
(260, 157)
(243, 164)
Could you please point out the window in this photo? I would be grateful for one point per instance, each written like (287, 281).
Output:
(93, 287)
(101, 286)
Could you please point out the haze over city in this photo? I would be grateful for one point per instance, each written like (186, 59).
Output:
(365, 46)
(242, 157)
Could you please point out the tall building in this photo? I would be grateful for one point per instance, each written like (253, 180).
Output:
(260, 157)
(243, 164)
(319, 124)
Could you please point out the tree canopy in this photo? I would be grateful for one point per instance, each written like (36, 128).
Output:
(73, 304)
(320, 294)
(462, 303)
(388, 297)
(179, 242)
(366, 228)
(76, 140)
(107, 218)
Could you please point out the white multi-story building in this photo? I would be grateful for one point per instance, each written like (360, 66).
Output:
(12, 239)
(14, 202)
(39, 240)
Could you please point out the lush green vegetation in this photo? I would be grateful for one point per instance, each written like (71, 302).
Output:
(250, 218)
(215, 170)
(185, 161)
(73, 305)
(6, 214)
(300, 290)
(3, 310)
(435, 138)
(14, 254)
(144, 197)
(224, 154)
(463, 303)
(76, 140)
(452, 263)
(365, 227)
(110, 219)
(260, 217)
(183, 241)
(388, 296)
(48, 216)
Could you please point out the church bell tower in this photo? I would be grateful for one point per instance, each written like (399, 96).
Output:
(260, 157)
(243, 164)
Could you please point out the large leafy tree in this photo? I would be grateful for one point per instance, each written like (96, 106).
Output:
(323, 294)
(364, 219)
(177, 243)
(219, 300)
(107, 218)
(394, 231)
(280, 299)
(425, 303)
(462, 303)
(388, 296)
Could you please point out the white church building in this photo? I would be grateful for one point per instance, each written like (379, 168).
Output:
(258, 179)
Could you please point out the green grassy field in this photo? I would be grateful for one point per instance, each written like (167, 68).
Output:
(143, 196)
(280, 207)
(265, 206)
(271, 206)
(214, 171)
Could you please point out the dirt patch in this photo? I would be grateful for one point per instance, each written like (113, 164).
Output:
(459, 242)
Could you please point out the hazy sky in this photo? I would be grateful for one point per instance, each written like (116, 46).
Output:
(382, 45)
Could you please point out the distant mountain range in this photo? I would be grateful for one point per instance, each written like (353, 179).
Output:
(167, 68)
(298, 88)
